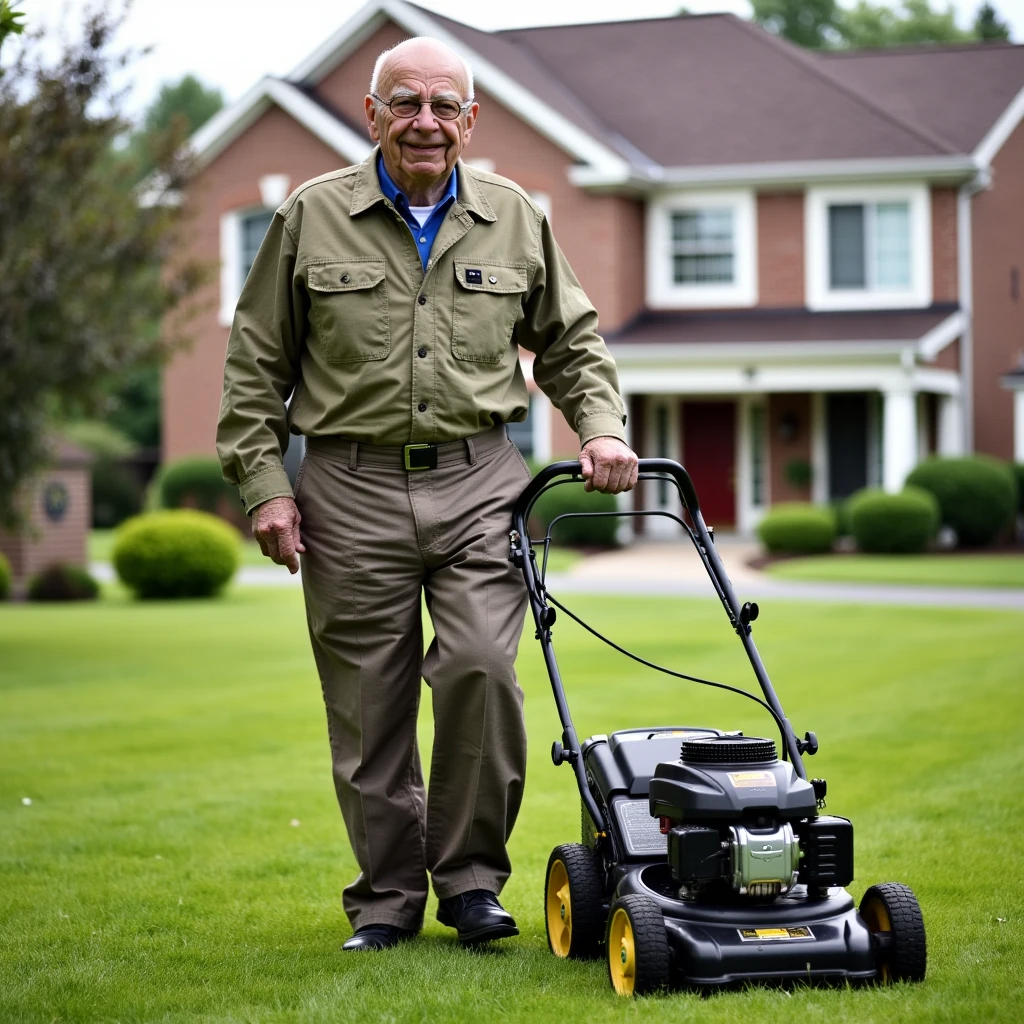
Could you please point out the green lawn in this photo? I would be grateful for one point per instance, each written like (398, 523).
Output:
(952, 570)
(168, 748)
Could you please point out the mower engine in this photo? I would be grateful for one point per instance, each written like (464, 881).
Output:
(739, 818)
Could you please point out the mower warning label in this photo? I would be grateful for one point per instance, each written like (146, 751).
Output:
(641, 832)
(752, 780)
(775, 934)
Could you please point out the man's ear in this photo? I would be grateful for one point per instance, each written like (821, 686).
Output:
(470, 122)
(370, 106)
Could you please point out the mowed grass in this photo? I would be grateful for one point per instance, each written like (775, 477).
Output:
(167, 749)
(942, 570)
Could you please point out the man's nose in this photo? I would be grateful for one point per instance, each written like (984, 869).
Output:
(425, 121)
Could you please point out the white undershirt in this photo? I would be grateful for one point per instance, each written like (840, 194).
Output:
(422, 213)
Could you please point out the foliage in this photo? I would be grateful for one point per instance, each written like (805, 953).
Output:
(977, 495)
(195, 482)
(132, 404)
(797, 528)
(116, 494)
(808, 23)
(988, 26)
(894, 524)
(566, 499)
(63, 583)
(10, 21)
(177, 553)
(100, 439)
(1018, 472)
(85, 271)
(5, 578)
(798, 473)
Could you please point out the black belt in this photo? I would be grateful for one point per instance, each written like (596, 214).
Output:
(410, 457)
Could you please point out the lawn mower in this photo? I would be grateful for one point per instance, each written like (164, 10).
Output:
(705, 859)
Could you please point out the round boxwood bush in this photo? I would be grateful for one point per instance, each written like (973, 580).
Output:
(567, 498)
(195, 482)
(894, 524)
(797, 528)
(176, 553)
(5, 578)
(977, 495)
(61, 582)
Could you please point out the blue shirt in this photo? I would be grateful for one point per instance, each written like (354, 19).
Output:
(423, 235)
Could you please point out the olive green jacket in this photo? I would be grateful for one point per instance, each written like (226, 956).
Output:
(338, 313)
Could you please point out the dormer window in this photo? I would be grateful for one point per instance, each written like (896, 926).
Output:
(868, 248)
(701, 250)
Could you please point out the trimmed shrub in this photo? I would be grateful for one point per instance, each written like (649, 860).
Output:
(116, 494)
(894, 524)
(5, 578)
(977, 495)
(61, 582)
(176, 553)
(797, 528)
(568, 498)
(195, 483)
(841, 510)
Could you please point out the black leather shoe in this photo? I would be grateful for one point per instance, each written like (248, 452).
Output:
(477, 916)
(376, 936)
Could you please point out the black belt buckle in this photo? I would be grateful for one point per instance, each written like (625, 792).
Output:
(420, 456)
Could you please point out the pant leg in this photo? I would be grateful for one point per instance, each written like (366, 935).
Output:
(362, 575)
(477, 602)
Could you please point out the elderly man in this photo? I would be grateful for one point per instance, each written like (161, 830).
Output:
(389, 300)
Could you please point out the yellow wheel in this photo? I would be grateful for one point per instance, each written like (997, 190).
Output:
(893, 916)
(573, 907)
(637, 947)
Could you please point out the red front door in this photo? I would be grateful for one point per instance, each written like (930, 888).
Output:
(709, 455)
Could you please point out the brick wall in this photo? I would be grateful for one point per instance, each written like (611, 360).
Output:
(780, 249)
(781, 451)
(944, 259)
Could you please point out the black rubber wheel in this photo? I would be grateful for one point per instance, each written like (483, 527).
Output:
(637, 947)
(893, 916)
(574, 902)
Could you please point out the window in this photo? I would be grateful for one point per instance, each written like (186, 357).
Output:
(254, 228)
(702, 247)
(701, 250)
(868, 247)
(241, 234)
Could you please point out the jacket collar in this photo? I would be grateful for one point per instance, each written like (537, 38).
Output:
(367, 191)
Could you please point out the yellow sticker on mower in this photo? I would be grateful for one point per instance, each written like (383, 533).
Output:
(752, 780)
(775, 934)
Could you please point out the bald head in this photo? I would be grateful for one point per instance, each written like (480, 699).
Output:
(420, 53)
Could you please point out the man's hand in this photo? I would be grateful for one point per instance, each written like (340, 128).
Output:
(609, 465)
(275, 525)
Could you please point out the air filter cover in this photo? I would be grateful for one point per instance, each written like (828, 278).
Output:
(729, 750)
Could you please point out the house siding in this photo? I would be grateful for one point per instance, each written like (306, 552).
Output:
(944, 250)
(780, 249)
(783, 451)
(275, 144)
(997, 221)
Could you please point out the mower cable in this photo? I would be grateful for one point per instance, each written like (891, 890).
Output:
(668, 671)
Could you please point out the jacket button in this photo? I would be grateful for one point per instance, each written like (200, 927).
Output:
(344, 279)
(421, 353)
(422, 407)
(492, 279)
(422, 300)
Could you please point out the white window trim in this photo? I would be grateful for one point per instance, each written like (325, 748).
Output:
(662, 291)
(231, 260)
(820, 296)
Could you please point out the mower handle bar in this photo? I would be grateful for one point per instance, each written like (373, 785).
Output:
(739, 615)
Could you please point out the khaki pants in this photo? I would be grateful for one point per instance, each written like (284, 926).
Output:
(376, 536)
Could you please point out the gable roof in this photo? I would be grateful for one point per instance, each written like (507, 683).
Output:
(695, 98)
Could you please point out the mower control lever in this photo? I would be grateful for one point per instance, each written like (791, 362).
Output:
(808, 745)
(559, 755)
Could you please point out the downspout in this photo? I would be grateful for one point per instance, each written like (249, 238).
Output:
(965, 287)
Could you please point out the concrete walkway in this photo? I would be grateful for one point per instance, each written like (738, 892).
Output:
(673, 569)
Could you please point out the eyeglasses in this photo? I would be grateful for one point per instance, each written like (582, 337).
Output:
(409, 106)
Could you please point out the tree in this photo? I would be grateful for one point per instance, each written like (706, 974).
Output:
(808, 23)
(871, 26)
(988, 27)
(88, 285)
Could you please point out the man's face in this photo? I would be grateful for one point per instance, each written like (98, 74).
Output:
(420, 151)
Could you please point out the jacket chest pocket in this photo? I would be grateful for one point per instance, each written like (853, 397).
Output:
(349, 305)
(487, 304)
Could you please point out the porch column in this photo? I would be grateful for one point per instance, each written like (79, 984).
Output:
(899, 438)
(950, 434)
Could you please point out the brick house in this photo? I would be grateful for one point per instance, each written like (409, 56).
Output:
(808, 267)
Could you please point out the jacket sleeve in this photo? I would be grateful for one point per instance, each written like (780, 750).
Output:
(260, 371)
(573, 366)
